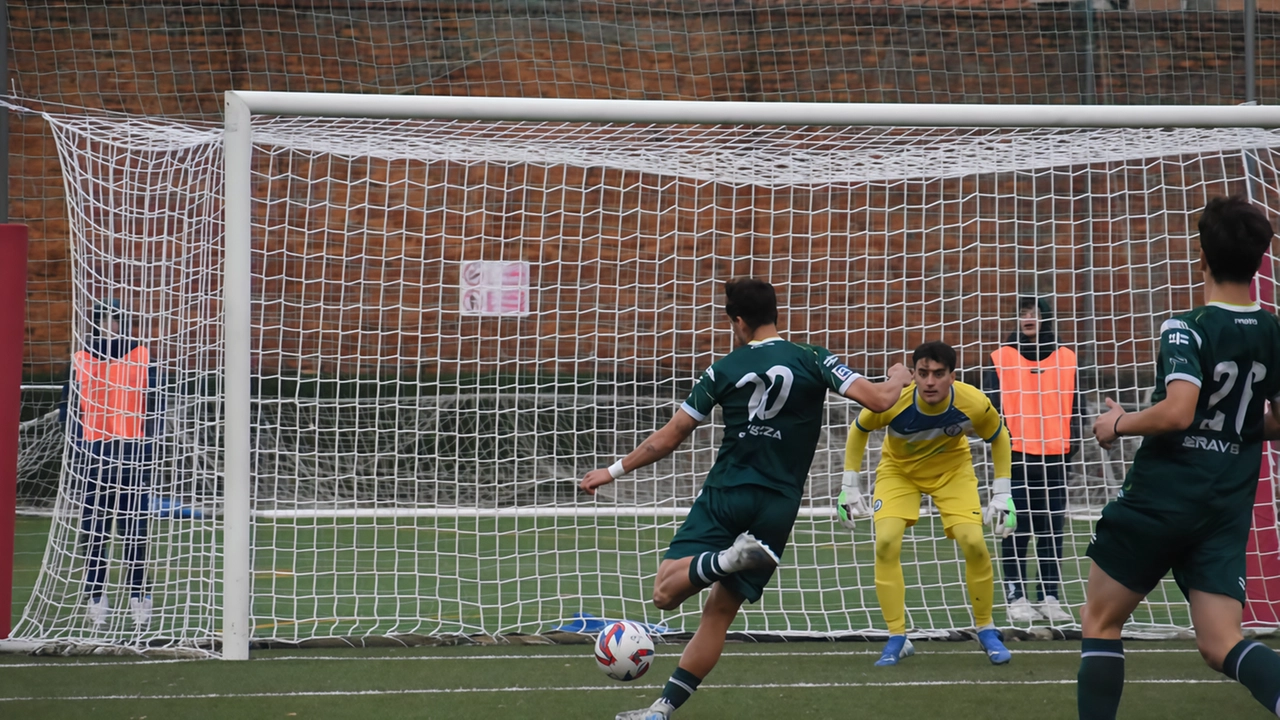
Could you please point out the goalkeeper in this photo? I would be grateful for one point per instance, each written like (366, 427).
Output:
(926, 452)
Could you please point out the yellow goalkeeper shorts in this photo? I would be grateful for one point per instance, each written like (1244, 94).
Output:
(954, 493)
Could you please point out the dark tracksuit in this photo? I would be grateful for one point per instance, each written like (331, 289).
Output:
(112, 476)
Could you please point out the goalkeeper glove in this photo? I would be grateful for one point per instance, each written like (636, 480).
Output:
(1000, 514)
(850, 505)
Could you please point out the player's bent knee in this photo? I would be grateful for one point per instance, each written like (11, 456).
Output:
(1214, 661)
(888, 550)
(1214, 647)
(971, 542)
(888, 547)
(1214, 655)
(664, 600)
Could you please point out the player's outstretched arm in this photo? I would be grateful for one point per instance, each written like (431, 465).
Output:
(659, 445)
(1175, 412)
(880, 396)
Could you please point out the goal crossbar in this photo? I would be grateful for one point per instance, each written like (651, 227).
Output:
(744, 113)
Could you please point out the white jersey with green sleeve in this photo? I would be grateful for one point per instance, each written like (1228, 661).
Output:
(772, 394)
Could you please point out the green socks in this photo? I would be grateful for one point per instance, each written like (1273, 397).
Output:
(1257, 667)
(1101, 678)
(679, 687)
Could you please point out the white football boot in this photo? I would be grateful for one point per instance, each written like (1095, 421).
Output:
(99, 611)
(141, 609)
(746, 553)
(1021, 611)
(1053, 611)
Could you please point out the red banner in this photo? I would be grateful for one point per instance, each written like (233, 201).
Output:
(1262, 607)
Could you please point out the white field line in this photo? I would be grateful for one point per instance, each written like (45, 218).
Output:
(125, 662)
(588, 688)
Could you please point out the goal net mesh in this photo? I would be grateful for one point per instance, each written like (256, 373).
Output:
(453, 321)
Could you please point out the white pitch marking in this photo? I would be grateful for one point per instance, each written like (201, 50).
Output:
(588, 688)
(124, 662)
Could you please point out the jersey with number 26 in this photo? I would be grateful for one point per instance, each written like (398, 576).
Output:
(772, 394)
(1232, 353)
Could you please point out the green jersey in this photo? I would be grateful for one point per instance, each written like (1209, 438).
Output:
(772, 394)
(1231, 353)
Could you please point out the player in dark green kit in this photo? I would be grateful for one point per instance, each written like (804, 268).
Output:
(772, 393)
(1187, 502)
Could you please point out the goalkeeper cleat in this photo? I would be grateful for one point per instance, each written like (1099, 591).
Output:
(1053, 611)
(1021, 611)
(897, 648)
(747, 553)
(659, 710)
(99, 611)
(141, 609)
(993, 646)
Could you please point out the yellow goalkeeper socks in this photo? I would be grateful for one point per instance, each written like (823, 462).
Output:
(891, 589)
(978, 574)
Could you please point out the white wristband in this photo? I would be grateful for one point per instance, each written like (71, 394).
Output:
(1001, 486)
(616, 470)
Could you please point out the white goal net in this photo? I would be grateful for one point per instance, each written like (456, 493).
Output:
(453, 320)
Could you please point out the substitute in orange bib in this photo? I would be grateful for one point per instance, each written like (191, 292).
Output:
(112, 414)
(1033, 381)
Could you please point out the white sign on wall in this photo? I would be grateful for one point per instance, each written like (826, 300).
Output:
(494, 288)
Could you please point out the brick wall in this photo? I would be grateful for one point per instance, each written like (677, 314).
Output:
(176, 58)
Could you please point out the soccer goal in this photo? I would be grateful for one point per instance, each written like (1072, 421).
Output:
(395, 331)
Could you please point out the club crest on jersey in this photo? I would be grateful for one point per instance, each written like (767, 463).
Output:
(953, 430)
(877, 505)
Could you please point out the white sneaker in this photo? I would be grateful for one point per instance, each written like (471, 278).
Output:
(1053, 611)
(141, 609)
(748, 552)
(1020, 611)
(99, 611)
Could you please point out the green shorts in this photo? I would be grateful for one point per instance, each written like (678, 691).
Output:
(1206, 552)
(719, 515)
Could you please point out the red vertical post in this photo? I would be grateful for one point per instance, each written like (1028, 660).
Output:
(1262, 556)
(13, 303)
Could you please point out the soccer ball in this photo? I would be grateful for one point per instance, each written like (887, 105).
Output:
(624, 650)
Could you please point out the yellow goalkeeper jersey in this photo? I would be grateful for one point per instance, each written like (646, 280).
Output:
(930, 440)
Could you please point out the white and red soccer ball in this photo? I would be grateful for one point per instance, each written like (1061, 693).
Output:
(624, 650)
